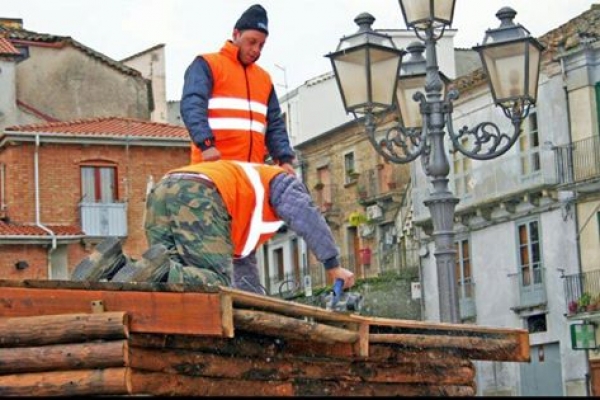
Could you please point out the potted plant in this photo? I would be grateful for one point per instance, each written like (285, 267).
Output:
(362, 191)
(573, 307)
(584, 301)
(594, 303)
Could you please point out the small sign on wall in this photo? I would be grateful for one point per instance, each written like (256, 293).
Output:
(415, 290)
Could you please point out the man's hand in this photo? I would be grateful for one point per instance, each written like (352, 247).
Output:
(289, 169)
(211, 154)
(342, 273)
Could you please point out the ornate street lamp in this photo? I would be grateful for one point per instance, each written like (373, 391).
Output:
(511, 59)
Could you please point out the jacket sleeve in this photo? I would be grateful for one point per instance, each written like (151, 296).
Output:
(293, 204)
(197, 89)
(277, 139)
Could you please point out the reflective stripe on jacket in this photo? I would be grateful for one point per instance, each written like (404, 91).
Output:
(237, 109)
(244, 188)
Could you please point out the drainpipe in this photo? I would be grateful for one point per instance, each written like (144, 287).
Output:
(588, 380)
(37, 203)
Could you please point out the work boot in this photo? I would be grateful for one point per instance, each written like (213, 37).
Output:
(102, 263)
(152, 267)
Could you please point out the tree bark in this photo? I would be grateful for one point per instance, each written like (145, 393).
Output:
(277, 325)
(64, 357)
(67, 328)
(109, 381)
(164, 384)
(192, 363)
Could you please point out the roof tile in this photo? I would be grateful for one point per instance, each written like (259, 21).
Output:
(25, 230)
(106, 126)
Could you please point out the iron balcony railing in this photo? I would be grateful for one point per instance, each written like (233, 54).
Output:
(579, 161)
(582, 292)
(104, 219)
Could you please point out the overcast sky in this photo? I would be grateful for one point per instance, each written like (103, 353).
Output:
(301, 31)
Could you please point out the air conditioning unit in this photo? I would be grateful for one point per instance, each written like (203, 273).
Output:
(366, 230)
(374, 212)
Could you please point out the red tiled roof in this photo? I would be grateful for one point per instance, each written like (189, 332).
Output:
(105, 127)
(6, 47)
(25, 230)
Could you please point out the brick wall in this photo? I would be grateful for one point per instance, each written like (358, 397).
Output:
(60, 193)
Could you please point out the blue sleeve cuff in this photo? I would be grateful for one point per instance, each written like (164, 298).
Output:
(331, 263)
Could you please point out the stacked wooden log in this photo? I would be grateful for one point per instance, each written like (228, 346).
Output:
(255, 365)
(64, 355)
(178, 340)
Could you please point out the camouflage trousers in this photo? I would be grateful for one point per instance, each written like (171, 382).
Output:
(191, 220)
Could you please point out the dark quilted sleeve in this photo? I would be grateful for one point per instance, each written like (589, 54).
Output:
(293, 204)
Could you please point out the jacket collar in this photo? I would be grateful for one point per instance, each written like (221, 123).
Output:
(231, 51)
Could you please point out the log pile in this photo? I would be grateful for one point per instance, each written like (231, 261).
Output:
(58, 355)
(173, 340)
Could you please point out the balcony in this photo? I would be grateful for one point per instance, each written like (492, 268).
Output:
(582, 292)
(377, 184)
(579, 164)
(466, 290)
(325, 197)
(493, 181)
(104, 219)
(532, 288)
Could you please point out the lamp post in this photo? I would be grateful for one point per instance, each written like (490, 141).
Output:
(373, 80)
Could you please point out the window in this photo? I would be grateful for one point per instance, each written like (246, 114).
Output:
(462, 174)
(278, 255)
(530, 262)
(529, 145)
(324, 195)
(349, 167)
(462, 270)
(537, 323)
(98, 184)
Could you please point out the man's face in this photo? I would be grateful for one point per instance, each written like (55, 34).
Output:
(250, 43)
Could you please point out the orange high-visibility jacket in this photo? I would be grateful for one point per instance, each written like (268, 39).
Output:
(237, 109)
(244, 188)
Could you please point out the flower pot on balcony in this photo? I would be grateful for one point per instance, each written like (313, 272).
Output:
(573, 307)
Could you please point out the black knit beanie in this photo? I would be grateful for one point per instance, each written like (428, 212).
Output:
(254, 18)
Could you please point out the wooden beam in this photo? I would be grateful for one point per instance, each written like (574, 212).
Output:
(64, 328)
(227, 315)
(155, 312)
(242, 299)
(109, 381)
(508, 349)
(59, 357)
(277, 325)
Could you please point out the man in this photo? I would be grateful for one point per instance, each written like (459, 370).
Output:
(229, 104)
(207, 213)
(230, 107)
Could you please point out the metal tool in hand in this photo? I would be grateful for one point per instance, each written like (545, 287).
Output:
(339, 300)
